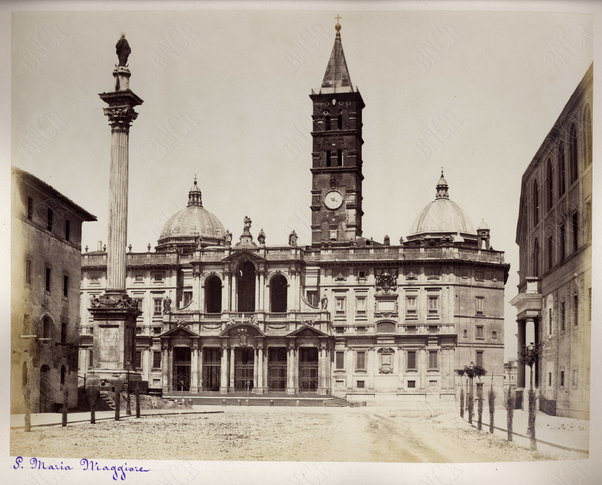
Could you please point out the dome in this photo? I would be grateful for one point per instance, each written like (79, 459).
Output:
(187, 225)
(442, 215)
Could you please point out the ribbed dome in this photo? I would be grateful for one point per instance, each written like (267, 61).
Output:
(442, 215)
(193, 221)
(185, 227)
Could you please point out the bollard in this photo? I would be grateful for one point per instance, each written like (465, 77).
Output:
(223, 402)
(297, 402)
(239, 402)
(271, 402)
(117, 402)
(247, 402)
(137, 401)
(65, 405)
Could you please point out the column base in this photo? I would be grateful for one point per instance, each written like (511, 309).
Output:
(223, 390)
(258, 390)
(290, 390)
(323, 391)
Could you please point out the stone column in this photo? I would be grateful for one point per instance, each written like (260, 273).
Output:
(200, 369)
(226, 292)
(165, 368)
(290, 369)
(321, 370)
(422, 368)
(257, 288)
(232, 368)
(255, 368)
(223, 382)
(261, 306)
(234, 299)
(194, 367)
(520, 370)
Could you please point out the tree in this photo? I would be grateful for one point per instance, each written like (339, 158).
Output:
(509, 404)
(530, 356)
(460, 372)
(472, 371)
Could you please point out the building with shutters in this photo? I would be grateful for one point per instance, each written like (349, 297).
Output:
(554, 234)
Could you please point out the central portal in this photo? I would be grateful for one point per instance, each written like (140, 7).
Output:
(246, 288)
(308, 369)
(181, 368)
(211, 369)
(243, 368)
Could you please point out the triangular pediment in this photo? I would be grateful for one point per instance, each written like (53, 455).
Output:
(307, 331)
(180, 331)
(243, 254)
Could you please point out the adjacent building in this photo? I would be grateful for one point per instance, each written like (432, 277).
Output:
(45, 297)
(554, 235)
(344, 315)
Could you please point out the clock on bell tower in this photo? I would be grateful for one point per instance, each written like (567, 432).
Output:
(337, 154)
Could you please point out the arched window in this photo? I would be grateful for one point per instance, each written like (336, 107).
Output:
(278, 293)
(573, 160)
(339, 158)
(550, 185)
(587, 136)
(246, 287)
(561, 170)
(536, 258)
(213, 294)
(328, 158)
(535, 203)
(340, 122)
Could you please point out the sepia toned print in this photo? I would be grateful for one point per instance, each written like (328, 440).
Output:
(288, 267)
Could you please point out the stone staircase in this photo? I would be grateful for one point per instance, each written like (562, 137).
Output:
(107, 397)
(236, 399)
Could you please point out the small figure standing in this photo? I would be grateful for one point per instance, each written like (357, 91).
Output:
(324, 302)
(166, 304)
(122, 48)
(228, 238)
(261, 237)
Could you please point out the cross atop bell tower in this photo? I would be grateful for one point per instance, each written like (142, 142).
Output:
(337, 154)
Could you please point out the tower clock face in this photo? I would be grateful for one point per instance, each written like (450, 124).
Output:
(333, 200)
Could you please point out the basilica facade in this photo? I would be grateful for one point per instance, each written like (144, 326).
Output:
(343, 315)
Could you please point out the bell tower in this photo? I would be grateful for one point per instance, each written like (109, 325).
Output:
(336, 203)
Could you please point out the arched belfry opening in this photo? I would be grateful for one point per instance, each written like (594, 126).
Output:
(278, 293)
(246, 287)
(213, 294)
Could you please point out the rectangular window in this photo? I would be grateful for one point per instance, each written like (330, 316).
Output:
(360, 362)
(63, 332)
(433, 363)
(67, 230)
(28, 273)
(479, 301)
(575, 309)
(480, 332)
(574, 378)
(156, 360)
(575, 230)
(480, 358)
(48, 279)
(50, 220)
(411, 384)
(361, 329)
(411, 306)
(29, 208)
(187, 297)
(549, 379)
(90, 359)
(65, 286)
(158, 277)
(361, 384)
(157, 330)
(340, 360)
(562, 315)
(411, 360)
(561, 378)
(157, 306)
(465, 333)
(433, 305)
(340, 305)
(339, 329)
(312, 297)
(494, 334)
(138, 359)
(139, 278)
(360, 305)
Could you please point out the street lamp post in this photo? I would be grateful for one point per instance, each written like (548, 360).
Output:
(470, 374)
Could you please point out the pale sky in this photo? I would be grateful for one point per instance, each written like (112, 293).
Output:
(226, 97)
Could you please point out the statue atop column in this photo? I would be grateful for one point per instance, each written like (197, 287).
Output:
(122, 48)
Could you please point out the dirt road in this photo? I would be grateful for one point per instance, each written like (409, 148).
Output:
(279, 434)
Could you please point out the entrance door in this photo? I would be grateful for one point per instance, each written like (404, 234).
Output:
(211, 369)
(243, 369)
(277, 369)
(181, 369)
(308, 369)
(45, 390)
